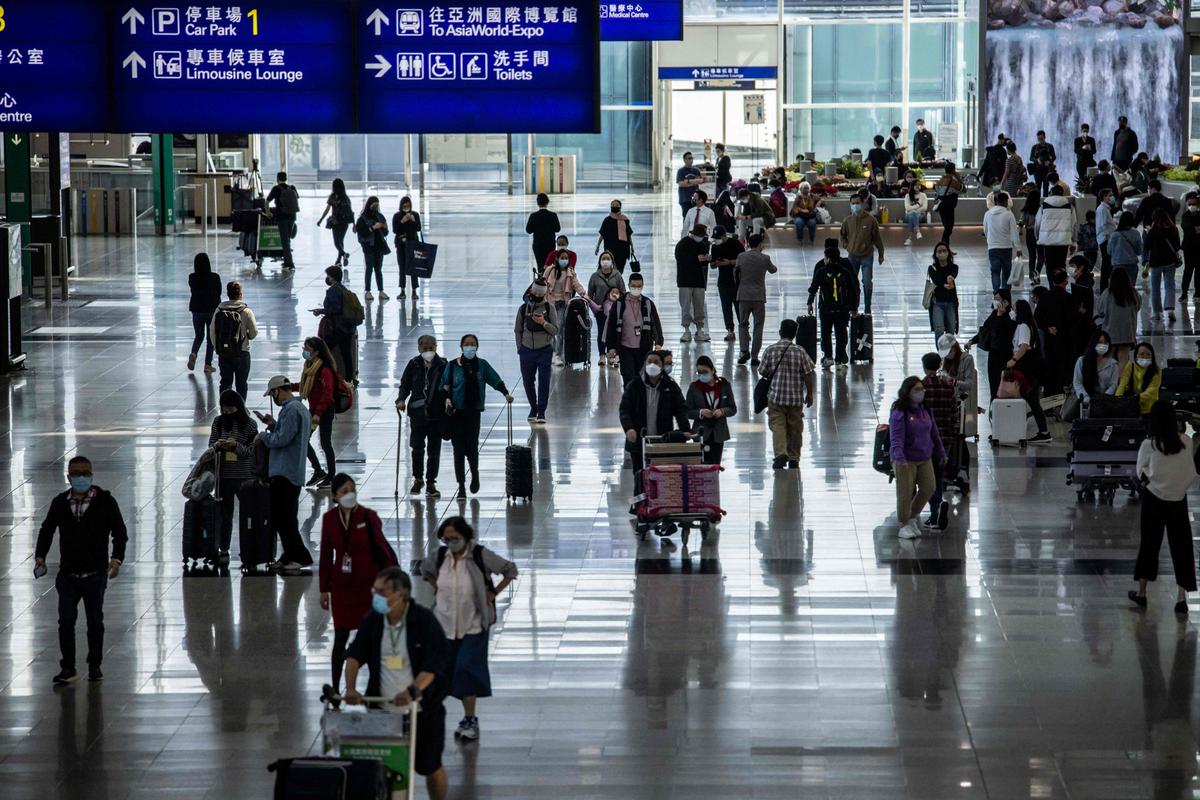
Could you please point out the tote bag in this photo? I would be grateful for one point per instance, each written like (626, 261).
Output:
(419, 258)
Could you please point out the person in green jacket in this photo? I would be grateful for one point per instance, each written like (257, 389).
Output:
(463, 382)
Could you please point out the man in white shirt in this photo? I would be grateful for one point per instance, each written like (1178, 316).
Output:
(698, 214)
(1003, 240)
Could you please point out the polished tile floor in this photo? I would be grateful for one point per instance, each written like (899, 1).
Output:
(803, 652)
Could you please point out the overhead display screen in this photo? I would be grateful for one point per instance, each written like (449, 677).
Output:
(645, 21)
(429, 67)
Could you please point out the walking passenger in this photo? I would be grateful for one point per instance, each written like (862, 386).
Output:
(616, 236)
(1037, 255)
(406, 226)
(834, 280)
(942, 401)
(604, 281)
(543, 225)
(1125, 247)
(286, 208)
(233, 433)
(947, 190)
(1003, 240)
(750, 273)
(710, 403)
(1055, 226)
(995, 337)
(287, 439)
(536, 329)
(860, 239)
(1117, 312)
(634, 329)
(651, 405)
(318, 383)
(420, 386)
(691, 279)
(340, 214)
(1028, 358)
(1106, 226)
(463, 383)
(1161, 253)
(943, 308)
(371, 229)
(792, 389)
(232, 327)
(205, 286)
(562, 285)
(725, 252)
(916, 451)
(1190, 222)
(699, 214)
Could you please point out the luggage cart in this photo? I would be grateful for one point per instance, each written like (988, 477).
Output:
(958, 455)
(268, 242)
(1100, 465)
(672, 471)
(358, 732)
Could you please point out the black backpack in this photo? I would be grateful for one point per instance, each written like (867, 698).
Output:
(227, 325)
(288, 202)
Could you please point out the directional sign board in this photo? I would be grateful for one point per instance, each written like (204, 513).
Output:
(53, 62)
(270, 66)
(716, 73)
(431, 67)
(641, 21)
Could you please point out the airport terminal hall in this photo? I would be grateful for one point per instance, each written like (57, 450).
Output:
(642, 400)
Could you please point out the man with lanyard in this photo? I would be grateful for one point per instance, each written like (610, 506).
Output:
(403, 646)
(85, 517)
(634, 329)
(687, 178)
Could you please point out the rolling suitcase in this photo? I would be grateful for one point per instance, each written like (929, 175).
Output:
(1009, 424)
(201, 530)
(577, 333)
(862, 339)
(1097, 434)
(806, 336)
(1181, 379)
(518, 467)
(330, 779)
(255, 536)
(881, 458)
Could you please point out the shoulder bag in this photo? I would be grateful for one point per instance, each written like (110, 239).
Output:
(763, 387)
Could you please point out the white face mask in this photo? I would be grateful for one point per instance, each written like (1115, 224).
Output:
(1101, 349)
(606, 264)
(348, 501)
(653, 370)
(636, 291)
(428, 355)
(996, 304)
(1144, 362)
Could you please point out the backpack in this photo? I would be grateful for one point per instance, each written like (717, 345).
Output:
(343, 212)
(352, 310)
(343, 395)
(477, 557)
(288, 202)
(227, 325)
(778, 201)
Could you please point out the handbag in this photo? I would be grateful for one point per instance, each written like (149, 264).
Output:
(927, 296)
(635, 266)
(419, 258)
(763, 387)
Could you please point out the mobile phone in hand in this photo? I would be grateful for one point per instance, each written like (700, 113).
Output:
(39, 571)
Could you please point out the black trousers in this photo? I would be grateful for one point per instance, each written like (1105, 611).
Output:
(1056, 258)
(325, 433)
(712, 452)
(465, 441)
(285, 237)
(72, 589)
(235, 368)
(1036, 253)
(1106, 269)
(946, 210)
(339, 239)
(340, 637)
(620, 253)
(540, 254)
(344, 341)
(835, 325)
(1172, 515)
(728, 293)
(285, 519)
(1191, 260)
(229, 487)
(425, 439)
(402, 261)
(632, 361)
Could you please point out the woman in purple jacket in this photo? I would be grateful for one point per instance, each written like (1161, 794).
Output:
(915, 447)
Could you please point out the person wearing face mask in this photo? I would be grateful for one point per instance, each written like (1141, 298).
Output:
(725, 252)
(343, 314)
(232, 433)
(995, 337)
(1085, 150)
(1141, 378)
(1055, 228)
(652, 405)
(562, 251)
(688, 180)
(947, 190)
(406, 227)
(232, 327)
(419, 387)
(543, 226)
(691, 279)
(750, 273)
(1096, 371)
(836, 284)
(286, 440)
(1160, 248)
(804, 213)
(916, 450)
(1028, 359)
(562, 285)
(959, 364)
(463, 384)
(710, 404)
(616, 236)
(283, 203)
(754, 214)
(1001, 232)
(944, 404)
(860, 238)
(402, 645)
(1015, 174)
(1189, 221)
(1106, 226)
(461, 576)
(353, 551)
(85, 518)
(601, 284)
(205, 286)
(923, 148)
(792, 389)
(536, 329)
(318, 382)
(633, 329)
(698, 214)
(893, 146)
(668, 363)
(916, 206)
(724, 169)
(340, 213)
(1124, 146)
(371, 229)
(943, 306)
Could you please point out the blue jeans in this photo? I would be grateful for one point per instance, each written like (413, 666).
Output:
(1159, 275)
(1001, 261)
(944, 317)
(200, 328)
(560, 308)
(913, 220)
(864, 267)
(810, 225)
(535, 374)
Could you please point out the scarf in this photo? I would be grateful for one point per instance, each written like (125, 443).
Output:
(622, 229)
(713, 388)
(308, 377)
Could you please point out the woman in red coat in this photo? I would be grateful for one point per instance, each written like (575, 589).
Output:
(353, 551)
(317, 384)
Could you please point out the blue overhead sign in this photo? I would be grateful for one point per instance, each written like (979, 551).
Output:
(270, 66)
(642, 21)
(429, 67)
(716, 73)
(53, 66)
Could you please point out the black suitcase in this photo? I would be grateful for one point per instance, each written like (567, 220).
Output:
(1107, 434)
(1181, 379)
(255, 536)
(1182, 362)
(577, 333)
(330, 779)
(862, 339)
(881, 458)
(806, 336)
(201, 530)
(518, 467)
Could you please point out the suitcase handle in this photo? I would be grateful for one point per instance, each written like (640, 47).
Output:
(509, 407)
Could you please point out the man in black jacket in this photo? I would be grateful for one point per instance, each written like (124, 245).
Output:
(1125, 144)
(691, 279)
(403, 646)
(923, 149)
(421, 381)
(653, 405)
(1104, 179)
(724, 254)
(1154, 200)
(85, 517)
(544, 226)
(1052, 312)
(1043, 157)
(993, 161)
(834, 278)
(633, 329)
(1085, 151)
(284, 202)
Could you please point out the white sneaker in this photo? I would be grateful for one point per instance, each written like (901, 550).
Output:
(703, 336)
(603, 361)
(826, 363)
(558, 361)
(909, 530)
(468, 732)
(384, 296)
(908, 242)
(368, 296)
(291, 568)
(920, 235)
(687, 336)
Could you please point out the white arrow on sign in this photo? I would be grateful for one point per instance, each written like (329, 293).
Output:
(378, 19)
(381, 66)
(695, 73)
(16, 139)
(133, 61)
(134, 18)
